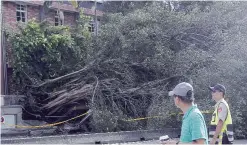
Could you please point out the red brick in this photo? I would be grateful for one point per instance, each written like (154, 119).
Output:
(9, 15)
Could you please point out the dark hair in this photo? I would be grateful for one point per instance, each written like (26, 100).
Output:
(223, 93)
(189, 98)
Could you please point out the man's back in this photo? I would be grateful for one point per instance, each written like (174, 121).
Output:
(193, 126)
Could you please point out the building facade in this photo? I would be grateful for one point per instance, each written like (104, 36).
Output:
(59, 13)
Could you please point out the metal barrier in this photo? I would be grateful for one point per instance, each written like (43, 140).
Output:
(96, 138)
(7, 100)
(11, 110)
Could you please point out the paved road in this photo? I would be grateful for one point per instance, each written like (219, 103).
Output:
(158, 142)
(110, 138)
(154, 142)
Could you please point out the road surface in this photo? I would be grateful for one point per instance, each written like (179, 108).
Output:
(158, 142)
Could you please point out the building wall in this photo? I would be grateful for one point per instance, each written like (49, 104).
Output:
(33, 12)
(91, 4)
(9, 14)
(10, 23)
(34, 9)
(70, 19)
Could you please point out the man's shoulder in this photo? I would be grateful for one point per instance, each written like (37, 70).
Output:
(223, 104)
(222, 111)
(197, 120)
(196, 113)
(222, 107)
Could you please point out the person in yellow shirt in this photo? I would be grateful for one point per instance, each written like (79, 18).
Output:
(221, 129)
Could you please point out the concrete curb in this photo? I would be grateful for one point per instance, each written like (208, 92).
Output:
(96, 138)
(9, 133)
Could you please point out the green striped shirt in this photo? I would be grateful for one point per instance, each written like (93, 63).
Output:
(193, 126)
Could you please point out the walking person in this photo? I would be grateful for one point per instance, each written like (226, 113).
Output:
(194, 130)
(221, 128)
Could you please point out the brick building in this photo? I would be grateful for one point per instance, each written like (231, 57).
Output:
(25, 10)
(14, 12)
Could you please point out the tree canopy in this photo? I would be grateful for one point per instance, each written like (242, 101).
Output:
(138, 56)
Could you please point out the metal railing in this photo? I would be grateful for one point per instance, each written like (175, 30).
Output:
(7, 100)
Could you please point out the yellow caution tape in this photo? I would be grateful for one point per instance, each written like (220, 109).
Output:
(46, 125)
(144, 118)
(57, 123)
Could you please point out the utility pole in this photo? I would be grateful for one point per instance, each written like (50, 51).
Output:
(1, 53)
(95, 18)
(3, 72)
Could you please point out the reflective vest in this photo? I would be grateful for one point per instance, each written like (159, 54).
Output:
(227, 125)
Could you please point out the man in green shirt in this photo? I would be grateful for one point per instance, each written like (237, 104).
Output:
(194, 130)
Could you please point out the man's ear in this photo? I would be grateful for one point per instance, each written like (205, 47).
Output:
(222, 94)
(177, 99)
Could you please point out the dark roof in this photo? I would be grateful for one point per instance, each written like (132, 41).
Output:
(71, 8)
(67, 6)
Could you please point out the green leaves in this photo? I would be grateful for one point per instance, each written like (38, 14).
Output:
(45, 52)
(207, 46)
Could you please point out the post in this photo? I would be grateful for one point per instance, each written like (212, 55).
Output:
(95, 18)
(1, 53)
(3, 71)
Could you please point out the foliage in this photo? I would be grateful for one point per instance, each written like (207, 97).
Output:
(41, 53)
(162, 41)
(137, 58)
(123, 7)
(207, 46)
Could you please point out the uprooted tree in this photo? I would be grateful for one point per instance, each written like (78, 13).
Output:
(127, 71)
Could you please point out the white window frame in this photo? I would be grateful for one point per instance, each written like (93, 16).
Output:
(56, 18)
(93, 26)
(21, 11)
(59, 23)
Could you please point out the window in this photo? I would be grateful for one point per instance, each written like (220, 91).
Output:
(59, 18)
(91, 26)
(21, 13)
(56, 18)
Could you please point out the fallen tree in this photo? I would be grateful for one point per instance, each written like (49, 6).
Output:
(112, 85)
(128, 69)
(117, 76)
